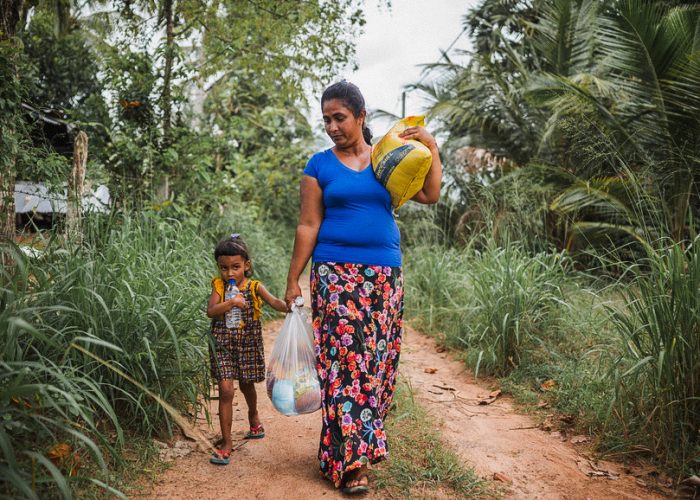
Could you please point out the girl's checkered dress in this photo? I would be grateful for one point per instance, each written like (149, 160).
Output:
(237, 353)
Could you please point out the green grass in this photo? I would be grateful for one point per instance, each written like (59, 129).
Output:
(657, 374)
(420, 465)
(574, 352)
(494, 302)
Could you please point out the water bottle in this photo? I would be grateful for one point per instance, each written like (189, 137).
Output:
(233, 316)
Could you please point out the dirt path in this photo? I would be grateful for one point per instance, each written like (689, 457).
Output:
(491, 438)
(494, 439)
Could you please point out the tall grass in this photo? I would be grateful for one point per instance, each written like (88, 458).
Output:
(131, 295)
(492, 302)
(132, 298)
(657, 379)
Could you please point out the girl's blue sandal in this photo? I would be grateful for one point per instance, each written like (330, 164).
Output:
(257, 432)
(220, 457)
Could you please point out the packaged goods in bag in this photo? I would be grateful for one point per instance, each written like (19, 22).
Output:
(399, 164)
(292, 382)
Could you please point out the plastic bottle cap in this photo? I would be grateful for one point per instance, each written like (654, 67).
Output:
(232, 282)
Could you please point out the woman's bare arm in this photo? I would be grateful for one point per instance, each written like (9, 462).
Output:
(307, 231)
(430, 193)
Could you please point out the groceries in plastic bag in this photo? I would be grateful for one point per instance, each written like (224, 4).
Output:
(399, 164)
(292, 382)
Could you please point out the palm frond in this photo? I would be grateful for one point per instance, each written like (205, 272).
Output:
(564, 35)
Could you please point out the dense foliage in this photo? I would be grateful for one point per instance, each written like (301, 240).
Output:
(133, 297)
(178, 98)
(575, 126)
(596, 103)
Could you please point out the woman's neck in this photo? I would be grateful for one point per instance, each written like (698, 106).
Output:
(357, 149)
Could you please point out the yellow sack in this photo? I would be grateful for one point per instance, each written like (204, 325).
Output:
(399, 164)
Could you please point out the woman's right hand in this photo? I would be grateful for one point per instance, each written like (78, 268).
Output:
(293, 291)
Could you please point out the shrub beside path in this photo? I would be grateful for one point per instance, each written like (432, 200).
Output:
(493, 438)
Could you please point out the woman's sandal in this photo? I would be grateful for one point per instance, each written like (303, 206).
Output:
(358, 488)
(220, 457)
(257, 432)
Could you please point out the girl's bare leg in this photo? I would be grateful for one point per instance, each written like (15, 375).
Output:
(226, 392)
(251, 399)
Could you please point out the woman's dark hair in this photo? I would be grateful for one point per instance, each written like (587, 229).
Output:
(231, 246)
(352, 98)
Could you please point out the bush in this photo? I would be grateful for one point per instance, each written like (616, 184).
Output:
(133, 296)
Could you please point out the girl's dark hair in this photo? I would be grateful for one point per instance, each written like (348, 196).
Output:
(352, 98)
(231, 246)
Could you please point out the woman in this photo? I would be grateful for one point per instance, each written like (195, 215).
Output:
(346, 224)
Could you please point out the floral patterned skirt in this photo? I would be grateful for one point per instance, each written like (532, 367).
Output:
(357, 322)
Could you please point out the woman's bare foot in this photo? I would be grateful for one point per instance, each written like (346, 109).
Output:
(357, 481)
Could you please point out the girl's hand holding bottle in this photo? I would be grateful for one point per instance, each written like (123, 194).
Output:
(237, 301)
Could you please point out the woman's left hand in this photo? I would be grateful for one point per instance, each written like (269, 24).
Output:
(430, 192)
(420, 134)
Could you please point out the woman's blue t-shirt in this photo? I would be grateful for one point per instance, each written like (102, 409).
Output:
(358, 225)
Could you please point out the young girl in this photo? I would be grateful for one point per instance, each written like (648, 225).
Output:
(237, 353)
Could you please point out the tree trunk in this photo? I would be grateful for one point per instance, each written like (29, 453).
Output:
(76, 185)
(169, 54)
(10, 12)
(163, 190)
(7, 199)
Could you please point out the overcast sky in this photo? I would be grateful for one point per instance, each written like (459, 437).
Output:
(395, 43)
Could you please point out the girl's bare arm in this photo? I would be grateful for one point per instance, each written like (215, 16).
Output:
(277, 304)
(310, 220)
(215, 308)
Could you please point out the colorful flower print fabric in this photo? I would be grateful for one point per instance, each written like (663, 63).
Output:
(357, 323)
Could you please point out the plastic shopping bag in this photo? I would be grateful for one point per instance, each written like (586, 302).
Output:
(399, 164)
(292, 382)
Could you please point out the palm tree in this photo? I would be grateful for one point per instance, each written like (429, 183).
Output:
(640, 101)
(595, 89)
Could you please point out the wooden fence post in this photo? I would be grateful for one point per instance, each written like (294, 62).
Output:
(7, 215)
(76, 186)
